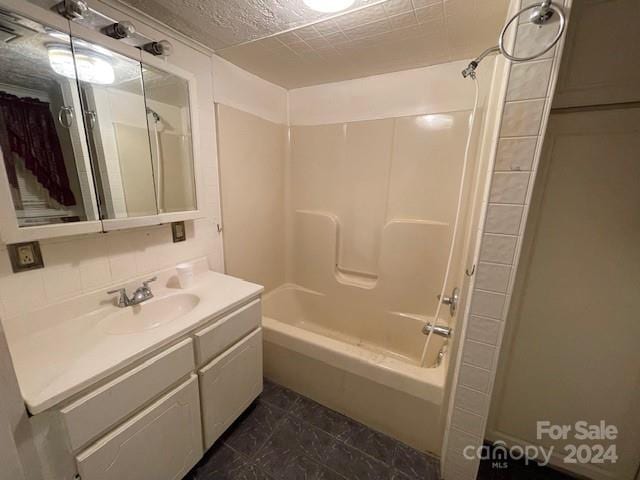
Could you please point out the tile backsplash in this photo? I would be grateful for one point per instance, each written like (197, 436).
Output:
(81, 264)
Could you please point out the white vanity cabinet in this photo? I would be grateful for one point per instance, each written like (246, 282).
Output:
(147, 422)
(232, 378)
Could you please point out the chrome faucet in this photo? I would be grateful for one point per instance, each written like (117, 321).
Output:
(141, 294)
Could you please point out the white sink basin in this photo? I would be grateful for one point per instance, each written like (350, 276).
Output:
(150, 314)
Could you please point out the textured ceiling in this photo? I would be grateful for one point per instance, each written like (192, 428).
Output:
(223, 23)
(392, 36)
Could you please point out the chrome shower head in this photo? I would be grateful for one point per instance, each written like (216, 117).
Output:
(470, 71)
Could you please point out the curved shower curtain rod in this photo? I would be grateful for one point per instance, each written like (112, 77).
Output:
(540, 14)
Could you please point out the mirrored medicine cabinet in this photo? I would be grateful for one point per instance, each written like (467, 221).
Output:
(95, 135)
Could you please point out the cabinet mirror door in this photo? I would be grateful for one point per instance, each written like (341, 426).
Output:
(170, 130)
(42, 138)
(115, 116)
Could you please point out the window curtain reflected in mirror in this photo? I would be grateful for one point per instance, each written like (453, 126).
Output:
(28, 135)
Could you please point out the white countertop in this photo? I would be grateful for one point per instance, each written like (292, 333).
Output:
(57, 357)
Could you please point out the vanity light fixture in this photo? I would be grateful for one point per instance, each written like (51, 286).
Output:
(90, 68)
(119, 30)
(163, 48)
(328, 6)
(72, 9)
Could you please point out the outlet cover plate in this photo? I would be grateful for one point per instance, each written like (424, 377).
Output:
(178, 231)
(25, 256)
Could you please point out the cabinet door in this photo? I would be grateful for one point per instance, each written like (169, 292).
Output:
(162, 442)
(229, 384)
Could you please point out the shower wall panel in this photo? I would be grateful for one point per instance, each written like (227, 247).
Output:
(373, 207)
(252, 153)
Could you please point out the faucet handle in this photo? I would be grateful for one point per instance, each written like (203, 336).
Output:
(118, 290)
(147, 282)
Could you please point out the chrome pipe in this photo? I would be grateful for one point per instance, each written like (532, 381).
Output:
(437, 330)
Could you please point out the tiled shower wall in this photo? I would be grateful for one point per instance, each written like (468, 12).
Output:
(525, 113)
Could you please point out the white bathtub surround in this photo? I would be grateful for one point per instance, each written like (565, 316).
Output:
(61, 349)
(365, 242)
(527, 102)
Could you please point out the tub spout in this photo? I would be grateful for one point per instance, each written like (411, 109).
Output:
(437, 329)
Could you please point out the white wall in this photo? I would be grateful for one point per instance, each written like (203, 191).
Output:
(237, 88)
(435, 89)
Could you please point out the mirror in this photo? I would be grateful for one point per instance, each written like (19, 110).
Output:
(89, 134)
(41, 135)
(169, 120)
(115, 118)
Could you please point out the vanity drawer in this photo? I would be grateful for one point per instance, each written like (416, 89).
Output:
(96, 412)
(229, 384)
(215, 339)
(162, 442)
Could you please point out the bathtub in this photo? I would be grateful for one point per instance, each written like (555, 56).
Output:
(365, 364)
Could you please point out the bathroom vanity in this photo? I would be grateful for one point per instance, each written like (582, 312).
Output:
(139, 392)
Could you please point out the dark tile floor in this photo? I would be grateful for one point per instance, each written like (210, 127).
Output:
(284, 436)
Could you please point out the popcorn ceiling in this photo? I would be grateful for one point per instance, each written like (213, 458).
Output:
(223, 23)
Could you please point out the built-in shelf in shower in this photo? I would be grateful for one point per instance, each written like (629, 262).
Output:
(356, 279)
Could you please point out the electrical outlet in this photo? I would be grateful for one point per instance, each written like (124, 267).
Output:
(25, 256)
(178, 231)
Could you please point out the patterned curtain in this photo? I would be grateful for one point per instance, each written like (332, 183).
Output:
(30, 133)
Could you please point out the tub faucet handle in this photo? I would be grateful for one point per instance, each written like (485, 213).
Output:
(452, 300)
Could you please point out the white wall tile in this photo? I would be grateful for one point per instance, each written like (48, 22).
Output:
(493, 277)
(515, 154)
(467, 421)
(503, 219)
(521, 119)
(487, 304)
(20, 292)
(122, 249)
(509, 187)
(531, 39)
(479, 354)
(498, 248)
(529, 80)
(61, 273)
(472, 400)
(484, 330)
(95, 271)
(457, 468)
(474, 377)
(459, 440)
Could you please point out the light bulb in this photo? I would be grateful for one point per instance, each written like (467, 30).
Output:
(328, 6)
(88, 67)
